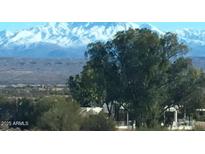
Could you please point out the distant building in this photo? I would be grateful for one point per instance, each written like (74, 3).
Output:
(90, 110)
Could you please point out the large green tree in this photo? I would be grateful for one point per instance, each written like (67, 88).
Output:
(144, 58)
(140, 70)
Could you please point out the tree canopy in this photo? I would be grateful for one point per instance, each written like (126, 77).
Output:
(142, 71)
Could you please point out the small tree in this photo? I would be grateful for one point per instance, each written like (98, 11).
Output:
(7, 109)
(63, 115)
(99, 122)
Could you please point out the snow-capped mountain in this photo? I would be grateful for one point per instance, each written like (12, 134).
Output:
(64, 34)
(195, 39)
(60, 39)
(70, 39)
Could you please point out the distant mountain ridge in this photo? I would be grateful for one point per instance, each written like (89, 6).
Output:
(69, 40)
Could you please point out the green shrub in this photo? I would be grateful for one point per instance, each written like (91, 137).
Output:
(7, 109)
(98, 122)
(63, 115)
(21, 113)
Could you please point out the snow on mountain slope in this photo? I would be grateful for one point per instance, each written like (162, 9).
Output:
(57, 39)
(70, 39)
(192, 35)
(64, 34)
(195, 39)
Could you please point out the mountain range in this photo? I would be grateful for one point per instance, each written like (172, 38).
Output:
(69, 40)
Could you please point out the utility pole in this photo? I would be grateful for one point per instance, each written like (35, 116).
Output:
(127, 118)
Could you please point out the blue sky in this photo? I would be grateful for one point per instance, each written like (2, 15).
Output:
(14, 26)
(171, 26)
(165, 26)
